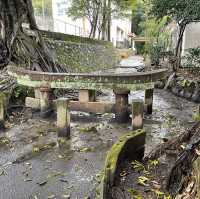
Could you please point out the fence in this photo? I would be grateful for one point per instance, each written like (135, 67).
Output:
(57, 25)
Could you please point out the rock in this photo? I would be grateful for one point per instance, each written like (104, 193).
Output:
(169, 81)
(189, 90)
(181, 94)
(196, 96)
(187, 94)
(176, 90)
(159, 84)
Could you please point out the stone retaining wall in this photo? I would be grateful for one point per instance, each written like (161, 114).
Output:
(183, 87)
(82, 54)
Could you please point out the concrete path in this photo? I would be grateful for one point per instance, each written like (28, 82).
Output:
(133, 61)
(131, 64)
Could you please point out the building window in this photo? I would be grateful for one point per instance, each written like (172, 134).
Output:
(62, 8)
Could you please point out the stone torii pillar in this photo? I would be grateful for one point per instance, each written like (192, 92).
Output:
(149, 101)
(87, 95)
(137, 114)
(45, 101)
(63, 117)
(121, 106)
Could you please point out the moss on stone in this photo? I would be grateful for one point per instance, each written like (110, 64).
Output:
(82, 54)
(112, 157)
(73, 38)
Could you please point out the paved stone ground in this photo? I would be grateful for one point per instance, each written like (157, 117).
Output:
(133, 61)
(34, 166)
(74, 167)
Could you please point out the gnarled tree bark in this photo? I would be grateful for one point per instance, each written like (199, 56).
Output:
(20, 46)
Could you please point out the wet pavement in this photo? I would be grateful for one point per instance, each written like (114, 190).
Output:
(34, 165)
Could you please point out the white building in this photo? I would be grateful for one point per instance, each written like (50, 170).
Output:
(61, 22)
(191, 37)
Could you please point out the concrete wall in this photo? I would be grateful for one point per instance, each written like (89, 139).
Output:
(191, 36)
(120, 30)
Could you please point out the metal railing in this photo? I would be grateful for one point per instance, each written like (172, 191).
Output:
(57, 25)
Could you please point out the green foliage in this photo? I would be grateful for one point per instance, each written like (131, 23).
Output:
(155, 50)
(140, 48)
(99, 12)
(81, 8)
(123, 8)
(192, 58)
(20, 93)
(138, 16)
(42, 7)
(180, 10)
(158, 34)
(183, 12)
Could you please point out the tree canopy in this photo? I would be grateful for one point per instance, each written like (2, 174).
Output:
(100, 12)
(182, 11)
(22, 46)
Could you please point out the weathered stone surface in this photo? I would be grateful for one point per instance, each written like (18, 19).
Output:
(45, 101)
(121, 106)
(149, 100)
(129, 146)
(37, 93)
(133, 81)
(91, 107)
(87, 95)
(196, 96)
(159, 84)
(187, 88)
(84, 57)
(176, 90)
(33, 103)
(63, 117)
(170, 81)
(137, 114)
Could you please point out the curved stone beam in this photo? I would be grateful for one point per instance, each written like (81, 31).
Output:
(130, 146)
(97, 81)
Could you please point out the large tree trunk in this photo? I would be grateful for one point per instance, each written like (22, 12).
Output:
(109, 20)
(23, 47)
(178, 50)
(104, 21)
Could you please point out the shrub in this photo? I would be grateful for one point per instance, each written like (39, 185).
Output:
(192, 58)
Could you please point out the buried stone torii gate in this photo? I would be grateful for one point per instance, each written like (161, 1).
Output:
(87, 84)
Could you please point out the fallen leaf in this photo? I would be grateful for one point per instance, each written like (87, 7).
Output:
(60, 156)
(42, 183)
(137, 165)
(142, 180)
(123, 173)
(36, 149)
(28, 180)
(63, 180)
(2, 172)
(51, 196)
(85, 149)
(66, 196)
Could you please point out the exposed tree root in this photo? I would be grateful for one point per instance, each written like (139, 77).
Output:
(20, 46)
(174, 144)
